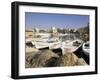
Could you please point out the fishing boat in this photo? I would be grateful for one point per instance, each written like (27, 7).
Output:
(51, 43)
(41, 44)
(85, 48)
(42, 41)
(30, 46)
(29, 42)
(72, 46)
(54, 44)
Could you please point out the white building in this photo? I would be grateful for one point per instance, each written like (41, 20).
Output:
(54, 29)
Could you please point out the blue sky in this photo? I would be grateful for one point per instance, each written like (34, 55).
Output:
(48, 20)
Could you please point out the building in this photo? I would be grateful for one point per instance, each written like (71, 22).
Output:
(29, 33)
(54, 30)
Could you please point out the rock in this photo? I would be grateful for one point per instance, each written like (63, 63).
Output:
(47, 58)
(81, 61)
(69, 59)
(42, 58)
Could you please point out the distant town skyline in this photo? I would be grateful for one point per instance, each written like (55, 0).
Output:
(48, 20)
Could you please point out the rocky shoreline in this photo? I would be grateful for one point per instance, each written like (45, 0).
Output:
(49, 58)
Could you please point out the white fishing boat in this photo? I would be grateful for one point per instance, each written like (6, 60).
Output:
(29, 42)
(33, 42)
(41, 44)
(72, 46)
(86, 48)
(30, 46)
(51, 43)
(55, 45)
